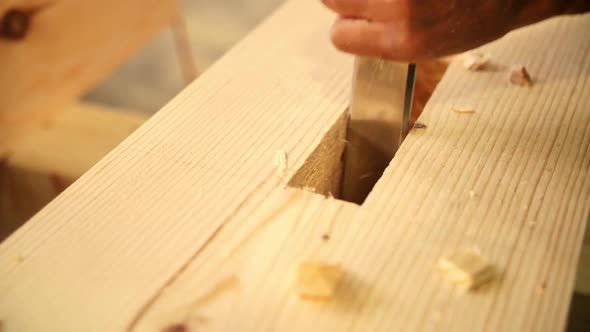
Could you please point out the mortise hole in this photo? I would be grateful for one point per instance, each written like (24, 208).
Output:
(323, 170)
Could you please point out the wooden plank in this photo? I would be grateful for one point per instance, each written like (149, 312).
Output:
(47, 160)
(188, 221)
(70, 46)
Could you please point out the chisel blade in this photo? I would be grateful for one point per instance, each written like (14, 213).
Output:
(380, 111)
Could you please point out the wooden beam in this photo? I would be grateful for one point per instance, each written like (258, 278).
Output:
(189, 221)
(47, 160)
(69, 47)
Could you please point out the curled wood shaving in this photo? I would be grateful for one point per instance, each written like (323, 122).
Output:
(520, 76)
(467, 269)
(475, 61)
(317, 281)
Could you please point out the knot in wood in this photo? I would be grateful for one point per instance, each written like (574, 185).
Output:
(15, 24)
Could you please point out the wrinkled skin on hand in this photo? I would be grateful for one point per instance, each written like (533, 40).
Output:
(417, 30)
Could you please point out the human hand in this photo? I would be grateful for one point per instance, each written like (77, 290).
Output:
(417, 30)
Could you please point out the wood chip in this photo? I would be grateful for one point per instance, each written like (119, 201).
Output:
(317, 281)
(281, 161)
(463, 110)
(520, 76)
(467, 269)
(420, 125)
(476, 61)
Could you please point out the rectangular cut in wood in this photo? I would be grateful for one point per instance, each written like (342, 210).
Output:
(317, 281)
(467, 268)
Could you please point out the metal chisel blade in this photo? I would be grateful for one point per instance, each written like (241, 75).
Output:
(380, 110)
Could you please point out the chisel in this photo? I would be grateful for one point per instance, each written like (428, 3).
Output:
(380, 110)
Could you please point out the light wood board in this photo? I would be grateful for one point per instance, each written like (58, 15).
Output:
(189, 222)
(70, 46)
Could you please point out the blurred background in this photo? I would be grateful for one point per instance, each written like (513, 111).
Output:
(154, 76)
(77, 78)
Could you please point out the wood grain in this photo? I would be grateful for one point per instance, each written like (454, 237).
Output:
(70, 46)
(187, 222)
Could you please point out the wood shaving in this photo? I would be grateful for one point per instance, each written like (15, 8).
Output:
(520, 76)
(281, 161)
(463, 110)
(476, 61)
(420, 125)
(467, 269)
(317, 281)
(472, 194)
